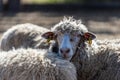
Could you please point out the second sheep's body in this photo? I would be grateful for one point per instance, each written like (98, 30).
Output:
(23, 35)
(34, 64)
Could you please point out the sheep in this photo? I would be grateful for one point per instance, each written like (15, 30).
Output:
(78, 45)
(68, 33)
(34, 64)
(108, 42)
(24, 35)
(102, 65)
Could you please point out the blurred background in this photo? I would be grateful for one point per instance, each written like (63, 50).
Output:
(101, 17)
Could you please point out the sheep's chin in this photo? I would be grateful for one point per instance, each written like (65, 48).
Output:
(68, 59)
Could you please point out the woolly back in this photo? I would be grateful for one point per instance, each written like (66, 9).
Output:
(23, 35)
(33, 64)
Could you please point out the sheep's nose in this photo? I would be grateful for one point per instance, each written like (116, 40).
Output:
(65, 50)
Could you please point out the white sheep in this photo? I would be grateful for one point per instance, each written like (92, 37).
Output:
(77, 44)
(68, 33)
(24, 35)
(108, 42)
(34, 64)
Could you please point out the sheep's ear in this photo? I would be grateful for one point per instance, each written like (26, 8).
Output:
(48, 35)
(89, 36)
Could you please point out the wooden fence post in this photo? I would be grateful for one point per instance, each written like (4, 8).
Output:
(1, 5)
(14, 5)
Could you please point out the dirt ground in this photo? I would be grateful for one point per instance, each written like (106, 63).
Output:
(104, 23)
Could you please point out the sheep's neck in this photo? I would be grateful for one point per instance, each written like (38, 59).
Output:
(79, 60)
(79, 47)
(80, 54)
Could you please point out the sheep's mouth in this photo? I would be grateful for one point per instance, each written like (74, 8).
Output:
(66, 56)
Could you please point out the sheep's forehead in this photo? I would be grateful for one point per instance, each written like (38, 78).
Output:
(68, 26)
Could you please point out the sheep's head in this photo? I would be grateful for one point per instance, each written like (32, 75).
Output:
(68, 35)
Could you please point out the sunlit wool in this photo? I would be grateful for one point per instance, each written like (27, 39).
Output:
(23, 35)
(34, 64)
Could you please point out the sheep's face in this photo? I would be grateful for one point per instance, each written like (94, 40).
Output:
(68, 42)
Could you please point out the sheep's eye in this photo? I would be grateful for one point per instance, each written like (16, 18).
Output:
(71, 40)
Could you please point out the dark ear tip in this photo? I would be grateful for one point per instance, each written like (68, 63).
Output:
(90, 35)
(44, 35)
(93, 35)
(47, 35)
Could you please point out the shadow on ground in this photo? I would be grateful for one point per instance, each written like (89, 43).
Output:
(104, 23)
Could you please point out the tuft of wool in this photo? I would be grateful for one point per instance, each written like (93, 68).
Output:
(23, 35)
(70, 25)
(34, 64)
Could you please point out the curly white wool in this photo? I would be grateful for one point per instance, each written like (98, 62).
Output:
(34, 64)
(70, 25)
(23, 35)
